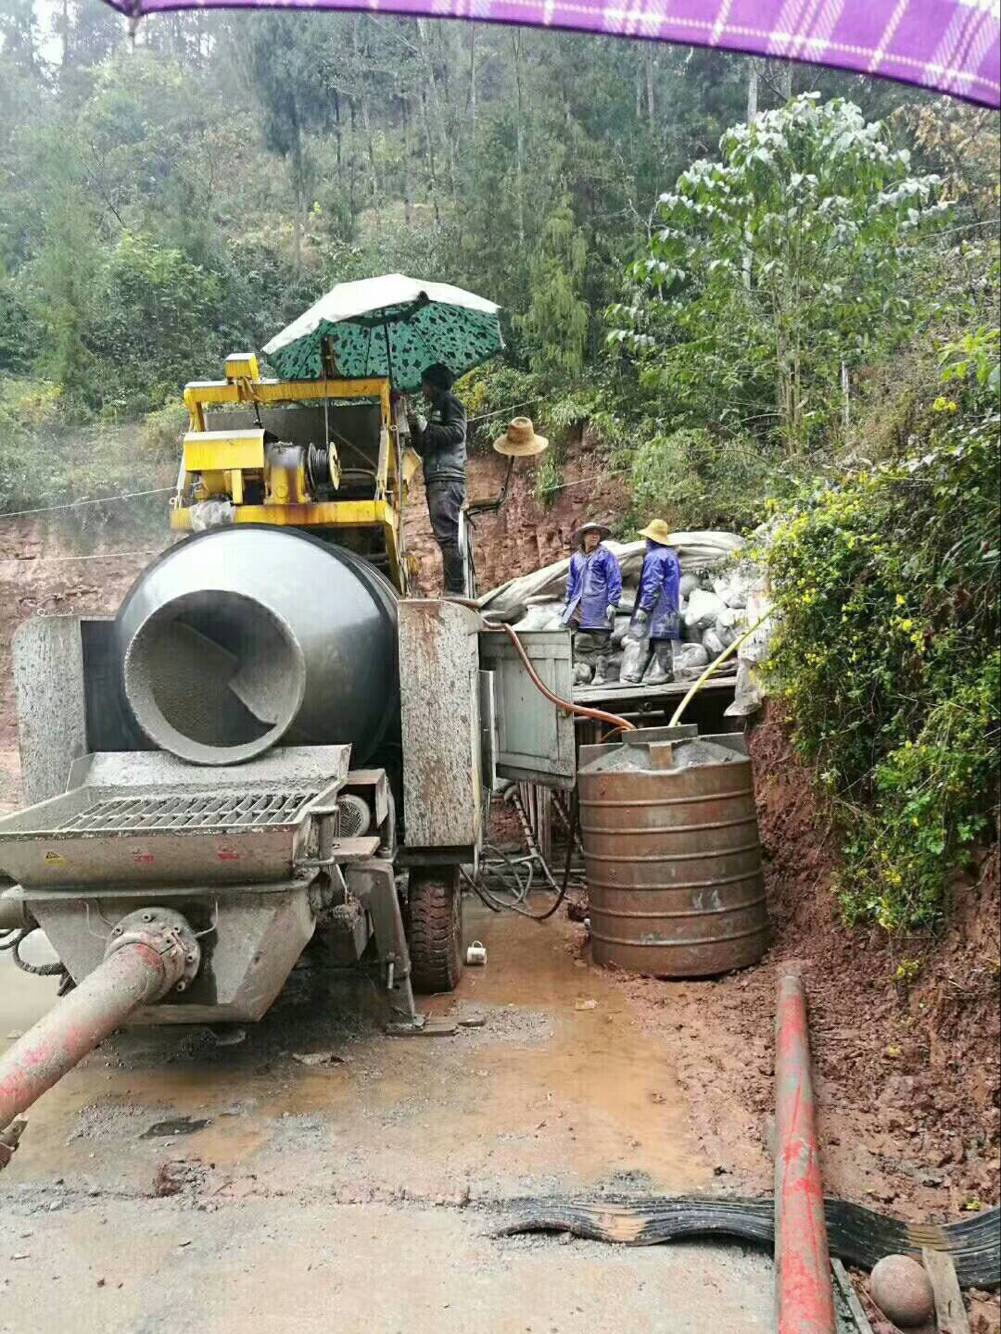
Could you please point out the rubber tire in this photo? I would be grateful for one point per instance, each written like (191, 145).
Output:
(434, 929)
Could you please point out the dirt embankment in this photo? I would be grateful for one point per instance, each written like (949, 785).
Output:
(524, 535)
(43, 573)
(907, 1076)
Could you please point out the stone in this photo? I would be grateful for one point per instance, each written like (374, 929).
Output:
(902, 1290)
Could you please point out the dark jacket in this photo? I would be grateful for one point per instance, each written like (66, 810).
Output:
(594, 584)
(442, 443)
(659, 591)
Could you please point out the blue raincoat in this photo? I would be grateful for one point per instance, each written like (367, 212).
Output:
(594, 584)
(659, 591)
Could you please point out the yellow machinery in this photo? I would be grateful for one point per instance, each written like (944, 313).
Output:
(330, 456)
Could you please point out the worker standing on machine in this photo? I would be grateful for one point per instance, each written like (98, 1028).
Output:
(594, 588)
(440, 440)
(655, 623)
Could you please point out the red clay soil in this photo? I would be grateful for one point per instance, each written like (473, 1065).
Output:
(907, 1078)
(41, 574)
(524, 535)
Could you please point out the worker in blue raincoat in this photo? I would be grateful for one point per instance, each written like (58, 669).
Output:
(594, 588)
(656, 619)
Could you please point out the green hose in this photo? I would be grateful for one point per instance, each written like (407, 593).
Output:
(713, 666)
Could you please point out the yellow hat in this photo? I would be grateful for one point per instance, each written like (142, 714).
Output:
(520, 441)
(657, 531)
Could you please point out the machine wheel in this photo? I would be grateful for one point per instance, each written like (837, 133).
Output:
(434, 919)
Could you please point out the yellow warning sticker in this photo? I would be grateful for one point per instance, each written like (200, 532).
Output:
(54, 859)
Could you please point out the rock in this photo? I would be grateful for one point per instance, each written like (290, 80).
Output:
(902, 1290)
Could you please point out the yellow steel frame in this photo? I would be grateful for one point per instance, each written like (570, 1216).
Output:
(219, 463)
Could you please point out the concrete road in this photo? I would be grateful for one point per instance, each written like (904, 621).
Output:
(319, 1175)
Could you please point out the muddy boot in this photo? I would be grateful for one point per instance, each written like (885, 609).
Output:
(662, 670)
(635, 656)
(451, 559)
(600, 670)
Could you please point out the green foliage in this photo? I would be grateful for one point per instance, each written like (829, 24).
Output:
(778, 268)
(558, 319)
(695, 480)
(548, 477)
(886, 581)
(156, 325)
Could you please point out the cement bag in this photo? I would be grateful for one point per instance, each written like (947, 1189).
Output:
(536, 618)
(581, 674)
(690, 661)
(689, 583)
(726, 634)
(746, 692)
(712, 643)
(634, 656)
(703, 608)
(620, 630)
(211, 514)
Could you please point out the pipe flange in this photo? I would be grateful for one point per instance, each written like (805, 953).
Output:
(165, 931)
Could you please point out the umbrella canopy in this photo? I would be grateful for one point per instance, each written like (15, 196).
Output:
(950, 45)
(390, 326)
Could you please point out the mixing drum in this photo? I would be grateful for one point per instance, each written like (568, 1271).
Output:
(241, 637)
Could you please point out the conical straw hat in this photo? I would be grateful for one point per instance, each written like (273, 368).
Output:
(520, 441)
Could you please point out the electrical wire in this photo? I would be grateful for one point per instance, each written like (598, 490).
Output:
(36, 969)
(74, 504)
(28, 561)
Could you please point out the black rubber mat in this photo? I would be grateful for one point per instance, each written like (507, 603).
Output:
(857, 1235)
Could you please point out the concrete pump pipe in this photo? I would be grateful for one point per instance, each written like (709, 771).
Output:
(244, 636)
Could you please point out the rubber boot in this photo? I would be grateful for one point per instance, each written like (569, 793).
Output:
(600, 670)
(451, 560)
(662, 671)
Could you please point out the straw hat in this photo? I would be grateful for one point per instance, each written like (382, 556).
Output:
(602, 529)
(520, 441)
(657, 531)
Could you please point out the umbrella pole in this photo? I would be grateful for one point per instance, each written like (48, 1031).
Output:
(389, 353)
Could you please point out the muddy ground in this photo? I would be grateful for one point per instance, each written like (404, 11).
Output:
(361, 1192)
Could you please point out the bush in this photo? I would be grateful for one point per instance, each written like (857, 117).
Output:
(693, 480)
(886, 650)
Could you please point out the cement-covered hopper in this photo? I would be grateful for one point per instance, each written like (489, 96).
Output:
(244, 636)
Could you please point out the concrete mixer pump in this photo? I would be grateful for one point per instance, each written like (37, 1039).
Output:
(270, 744)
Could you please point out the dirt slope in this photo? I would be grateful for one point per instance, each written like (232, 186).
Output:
(907, 1078)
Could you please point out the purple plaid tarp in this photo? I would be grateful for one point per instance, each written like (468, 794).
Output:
(953, 46)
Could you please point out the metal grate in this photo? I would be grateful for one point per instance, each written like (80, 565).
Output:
(217, 810)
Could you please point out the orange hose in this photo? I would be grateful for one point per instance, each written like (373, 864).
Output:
(581, 710)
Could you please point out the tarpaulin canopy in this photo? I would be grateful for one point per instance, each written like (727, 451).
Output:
(953, 46)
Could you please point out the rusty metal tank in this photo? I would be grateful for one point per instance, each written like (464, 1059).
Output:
(670, 835)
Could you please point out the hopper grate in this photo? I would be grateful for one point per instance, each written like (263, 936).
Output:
(216, 810)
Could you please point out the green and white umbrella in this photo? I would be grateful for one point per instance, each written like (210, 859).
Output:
(390, 326)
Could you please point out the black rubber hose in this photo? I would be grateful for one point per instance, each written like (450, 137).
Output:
(571, 835)
(36, 969)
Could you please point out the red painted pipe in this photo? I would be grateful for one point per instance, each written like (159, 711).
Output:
(136, 974)
(805, 1292)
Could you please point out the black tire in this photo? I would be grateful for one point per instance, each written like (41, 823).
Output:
(434, 922)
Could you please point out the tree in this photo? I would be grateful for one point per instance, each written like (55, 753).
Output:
(778, 268)
(557, 323)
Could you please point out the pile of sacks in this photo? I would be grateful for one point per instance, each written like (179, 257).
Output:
(715, 588)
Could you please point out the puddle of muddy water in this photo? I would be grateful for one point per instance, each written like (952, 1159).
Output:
(560, 1083)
